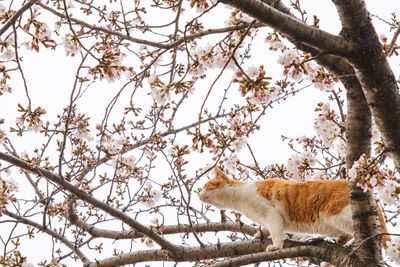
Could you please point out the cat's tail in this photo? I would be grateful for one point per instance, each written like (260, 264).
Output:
(383, 227)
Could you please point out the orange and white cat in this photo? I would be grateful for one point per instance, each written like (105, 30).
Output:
(281, 206)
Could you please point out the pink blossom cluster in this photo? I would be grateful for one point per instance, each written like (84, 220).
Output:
(238, 130)
(42, 34)
(7, 46)
(255, 83)
(30, 120)
(147, 241)
(160, 92)
(110, 63)
(125, 166)
(220, 136)
(299, 66)
(393, 250)
(327, 125)
(113, 145)
(299, 166)
(152, 195)
(3, 136)
(6, 192)
(4, 87)
(3, 10)
(177, 153)
(231, 162)
(236, 17)
(201, 5)
(71, 45)
(369, 176)
(209, 57)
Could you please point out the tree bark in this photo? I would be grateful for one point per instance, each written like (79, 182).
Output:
(374, 73)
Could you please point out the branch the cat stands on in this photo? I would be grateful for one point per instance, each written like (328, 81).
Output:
(281, 206)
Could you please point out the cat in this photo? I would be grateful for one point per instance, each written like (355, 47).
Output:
(279, 206)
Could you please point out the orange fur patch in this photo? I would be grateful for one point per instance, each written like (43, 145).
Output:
(220, 180)
(383, 227)
(305, 201)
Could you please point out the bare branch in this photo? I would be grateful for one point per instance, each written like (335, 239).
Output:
(18, 14)
(50, 232)
(165, 230)
(150, 43)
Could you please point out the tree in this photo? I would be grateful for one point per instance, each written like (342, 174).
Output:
(107, 187)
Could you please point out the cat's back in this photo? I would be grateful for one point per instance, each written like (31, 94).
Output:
(306, 202)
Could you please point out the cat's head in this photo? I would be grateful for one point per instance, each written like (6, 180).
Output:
(216, 191)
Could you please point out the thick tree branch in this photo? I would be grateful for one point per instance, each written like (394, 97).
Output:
(17, 14)
(325, 250)
(300, 251)
(293, 27)
(374, 73)
(165, 230)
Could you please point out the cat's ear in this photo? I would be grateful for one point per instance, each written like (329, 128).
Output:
(220, 174)
(218, 171)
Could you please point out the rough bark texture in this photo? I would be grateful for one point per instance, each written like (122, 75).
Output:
(374, 73)
(291, 26)
(244, 252)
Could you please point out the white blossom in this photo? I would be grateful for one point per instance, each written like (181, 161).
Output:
(160, 96)
(385, 193)
(156, 195)
(253, 72)
(3, 9)
(71, 47)
(240, 143)
(230, 164)
(341, 148)
(27, 264)
(8, 54)
(288, 57)
(43, 32)
(393, 251)
(12, 185)
(129, 161)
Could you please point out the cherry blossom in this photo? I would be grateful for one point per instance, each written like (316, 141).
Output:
(393, 250)
(3, 9)
(27, 264)
(70, 45)
(298, 166)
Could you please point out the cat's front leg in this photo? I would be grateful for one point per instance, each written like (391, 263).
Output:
(275, 225)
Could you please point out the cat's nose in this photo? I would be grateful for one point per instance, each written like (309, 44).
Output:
(201, 196)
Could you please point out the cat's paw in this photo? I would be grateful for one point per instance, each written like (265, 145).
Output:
(261, 234)
(272, 248)
(343, 239)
